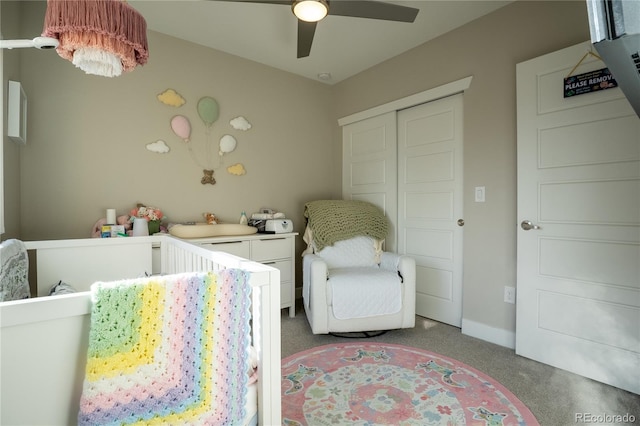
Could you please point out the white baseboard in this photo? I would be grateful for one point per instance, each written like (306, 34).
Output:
(485, 332)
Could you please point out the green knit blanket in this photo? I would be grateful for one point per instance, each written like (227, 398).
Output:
(336, 220)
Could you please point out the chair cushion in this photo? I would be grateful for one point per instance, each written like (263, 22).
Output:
(363, 292)
(354, 252)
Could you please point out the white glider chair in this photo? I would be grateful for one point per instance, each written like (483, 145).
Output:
(353, 285)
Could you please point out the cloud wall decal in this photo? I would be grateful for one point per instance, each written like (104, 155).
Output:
(159, 147)
(237, 169)
(172, 98)
(240, 123)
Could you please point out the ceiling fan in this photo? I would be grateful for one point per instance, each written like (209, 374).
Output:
(309, 12)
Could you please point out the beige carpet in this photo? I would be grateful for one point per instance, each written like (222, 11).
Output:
(554, 396)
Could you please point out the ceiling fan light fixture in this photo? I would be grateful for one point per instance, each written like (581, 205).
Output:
(310, 10)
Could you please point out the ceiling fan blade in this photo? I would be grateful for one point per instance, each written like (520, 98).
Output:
(373, 10)
(306, 30)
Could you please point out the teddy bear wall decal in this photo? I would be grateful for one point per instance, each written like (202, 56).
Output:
(208, 177)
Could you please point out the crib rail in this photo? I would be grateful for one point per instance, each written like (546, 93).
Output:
(180, 256)
(81, 262)
(44, 340)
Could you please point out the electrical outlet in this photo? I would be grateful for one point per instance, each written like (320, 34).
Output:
(509, 294)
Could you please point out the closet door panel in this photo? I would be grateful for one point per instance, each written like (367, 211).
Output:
(430, 204)
(370, 166)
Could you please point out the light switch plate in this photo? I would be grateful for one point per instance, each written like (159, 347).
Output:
(509, 294)
(480, 194)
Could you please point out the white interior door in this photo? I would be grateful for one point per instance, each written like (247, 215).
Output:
(578, 288)
(430, 203)
(369, 166)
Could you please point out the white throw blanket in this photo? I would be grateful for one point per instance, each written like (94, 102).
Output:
(364, 292)
(14, 271)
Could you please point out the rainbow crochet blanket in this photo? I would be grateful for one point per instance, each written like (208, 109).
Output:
(170, 350)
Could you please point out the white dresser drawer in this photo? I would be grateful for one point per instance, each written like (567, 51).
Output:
(238, 248)
(285, 269)
(269, 249)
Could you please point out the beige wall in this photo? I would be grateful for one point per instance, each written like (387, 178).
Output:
(487, 49)
(9, 24)
(87, 134)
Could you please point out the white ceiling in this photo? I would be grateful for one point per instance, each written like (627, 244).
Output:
(342, 46)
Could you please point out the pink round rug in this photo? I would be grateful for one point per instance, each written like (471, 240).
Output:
(385, 384)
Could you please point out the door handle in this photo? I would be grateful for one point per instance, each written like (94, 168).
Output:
(527, 225)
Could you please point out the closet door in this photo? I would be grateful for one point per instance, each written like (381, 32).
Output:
(369, 166)
(430, 204)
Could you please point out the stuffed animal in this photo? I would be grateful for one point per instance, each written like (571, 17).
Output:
(96, 232)
(210, 218)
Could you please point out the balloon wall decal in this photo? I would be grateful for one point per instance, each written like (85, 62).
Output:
(208, 110)
(181, 127)
(203, 154)
(227, 144)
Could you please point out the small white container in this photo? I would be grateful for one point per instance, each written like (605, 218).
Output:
(140, 227)
(111, 216)
(243, 218)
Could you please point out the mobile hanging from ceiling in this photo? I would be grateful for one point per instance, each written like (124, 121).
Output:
(310, 12)
(101, 37)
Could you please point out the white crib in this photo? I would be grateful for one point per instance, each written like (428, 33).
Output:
(43, 340)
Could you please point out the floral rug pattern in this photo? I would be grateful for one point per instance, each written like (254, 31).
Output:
(385, 384)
